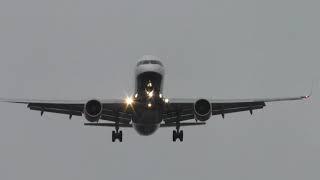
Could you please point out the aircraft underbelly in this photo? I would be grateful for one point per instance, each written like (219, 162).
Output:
(147, 122)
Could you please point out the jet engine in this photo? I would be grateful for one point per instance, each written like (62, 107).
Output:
(202, 110)
(93, 110)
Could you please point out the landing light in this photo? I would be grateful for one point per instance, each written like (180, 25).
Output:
(150, 94)
(129, 100)
(166, 100)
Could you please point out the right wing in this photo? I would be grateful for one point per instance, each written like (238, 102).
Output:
(113, 110)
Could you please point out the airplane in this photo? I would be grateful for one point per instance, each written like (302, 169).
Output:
(148, 109)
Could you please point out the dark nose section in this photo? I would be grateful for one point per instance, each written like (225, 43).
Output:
(146, 130)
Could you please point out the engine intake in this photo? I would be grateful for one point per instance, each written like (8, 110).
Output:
(93, 110)
(202, 110)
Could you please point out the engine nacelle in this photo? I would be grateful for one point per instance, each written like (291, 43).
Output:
(93, 110)
(202, 110)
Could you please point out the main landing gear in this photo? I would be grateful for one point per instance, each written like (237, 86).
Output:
(177, 134)
(117, 134)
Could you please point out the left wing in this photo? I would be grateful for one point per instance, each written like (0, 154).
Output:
(185, 110)
(113, 110)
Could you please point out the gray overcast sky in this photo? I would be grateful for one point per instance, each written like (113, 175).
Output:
(57, 49)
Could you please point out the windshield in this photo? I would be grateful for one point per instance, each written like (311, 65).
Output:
(149, 62)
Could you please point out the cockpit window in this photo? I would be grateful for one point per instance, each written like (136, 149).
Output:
(156, 62)
(149, 62)
(142, 62)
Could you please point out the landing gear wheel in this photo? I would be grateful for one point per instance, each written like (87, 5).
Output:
(174, 136)
(181, 136)
(120, 136)
(113, 136)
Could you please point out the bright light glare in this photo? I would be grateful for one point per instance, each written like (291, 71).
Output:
(150, 94)
(129, 100)
(160, 95)
(149, 105)
(166, 100)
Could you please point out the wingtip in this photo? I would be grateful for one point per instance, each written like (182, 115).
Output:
(306, 97)
(311, 91)
(309, 95)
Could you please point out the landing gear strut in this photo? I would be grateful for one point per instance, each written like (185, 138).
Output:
(117, 134)
(177, 134)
